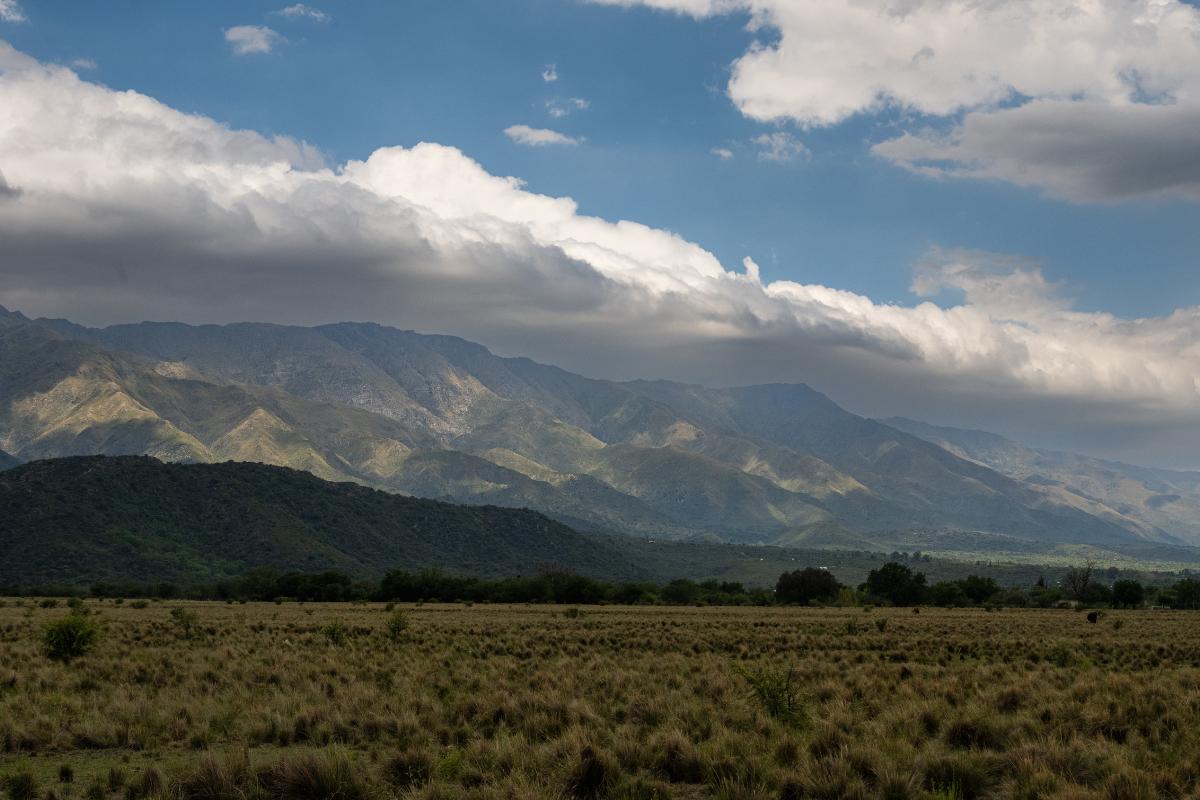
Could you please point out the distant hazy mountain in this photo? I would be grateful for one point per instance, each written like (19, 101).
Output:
(1168, 499)
(438, 416)
(83, 519)
(7, 461)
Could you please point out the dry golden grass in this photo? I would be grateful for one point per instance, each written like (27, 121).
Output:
(325, 701)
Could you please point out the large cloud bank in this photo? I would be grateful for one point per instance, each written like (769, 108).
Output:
(1088, 100)
(115, 207)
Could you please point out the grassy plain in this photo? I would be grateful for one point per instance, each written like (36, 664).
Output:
(302, 702)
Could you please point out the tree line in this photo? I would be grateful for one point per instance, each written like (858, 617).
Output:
(899, 585)
(893, 584)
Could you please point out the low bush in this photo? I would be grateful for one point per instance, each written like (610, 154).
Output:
(69, 638)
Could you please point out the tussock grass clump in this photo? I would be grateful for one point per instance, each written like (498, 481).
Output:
(215, 778)
(410, 768)
(776, 690)
(21, 786)
(327, 775)
(959, 775)
(593, 775)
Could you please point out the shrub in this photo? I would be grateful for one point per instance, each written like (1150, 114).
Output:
(140, 604)
(397, 625)
(881, 624)
(185, 620)
(70, 637)
(337, 633)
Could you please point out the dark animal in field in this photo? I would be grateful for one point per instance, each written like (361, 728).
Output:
(916, 611)
(1093, 617)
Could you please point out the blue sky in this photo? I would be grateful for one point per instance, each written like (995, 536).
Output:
(459, 73)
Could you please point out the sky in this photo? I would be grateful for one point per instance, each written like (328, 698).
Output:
(976, 214)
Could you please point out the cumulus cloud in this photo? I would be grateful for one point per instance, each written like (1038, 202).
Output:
(301, 11)
(538, 137)
(250, 39)
(780, 147)
(1120, 78)
(10, 11)
(723, 153)
(550, 73)
(122, 208)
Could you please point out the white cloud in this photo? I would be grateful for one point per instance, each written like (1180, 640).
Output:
(250, 39)
(1121, 63)
(538, 137)
(723, 153)
(301, 11)
(835, 58)
(10, 11)
(550, 73)
(780, 147)
(118, 207)
(83, 63)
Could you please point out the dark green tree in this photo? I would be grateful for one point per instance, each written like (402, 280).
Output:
(1186, 594)
(1128, 594)
(980, 590)
(806, 585)
(897, 584)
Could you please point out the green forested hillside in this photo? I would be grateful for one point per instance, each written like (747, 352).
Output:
(83, 519)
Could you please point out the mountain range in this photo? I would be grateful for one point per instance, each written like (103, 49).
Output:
(441, 417)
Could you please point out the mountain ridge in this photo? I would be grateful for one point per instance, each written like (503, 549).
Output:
(441, 416)
(1162, 497)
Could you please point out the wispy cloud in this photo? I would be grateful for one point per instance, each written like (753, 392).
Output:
(301, 11)
(250, 39)
(561, 108)
(539, 137)
(723, 153)
(10, 11)
(780, 147)
(550, 73)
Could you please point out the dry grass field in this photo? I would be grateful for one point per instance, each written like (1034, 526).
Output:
(303, 702)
